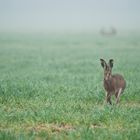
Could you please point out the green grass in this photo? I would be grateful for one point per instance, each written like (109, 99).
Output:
(51, 87)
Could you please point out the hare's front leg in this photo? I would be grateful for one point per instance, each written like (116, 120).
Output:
(108, 98)
(118, 95)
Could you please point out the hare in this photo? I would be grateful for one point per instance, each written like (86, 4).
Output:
(113, 84)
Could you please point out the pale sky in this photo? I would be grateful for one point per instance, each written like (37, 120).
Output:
(68, 14)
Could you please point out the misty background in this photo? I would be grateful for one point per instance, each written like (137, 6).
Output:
(68, 15)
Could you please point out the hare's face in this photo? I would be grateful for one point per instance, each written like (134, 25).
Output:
(107, 68)
(107, 72)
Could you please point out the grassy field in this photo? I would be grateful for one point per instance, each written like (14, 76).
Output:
(51, 87)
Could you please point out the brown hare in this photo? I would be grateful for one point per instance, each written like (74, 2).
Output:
(113, 84)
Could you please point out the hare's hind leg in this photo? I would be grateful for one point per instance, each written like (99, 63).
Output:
(118, 96)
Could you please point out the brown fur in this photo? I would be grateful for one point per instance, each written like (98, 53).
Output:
(113, 84)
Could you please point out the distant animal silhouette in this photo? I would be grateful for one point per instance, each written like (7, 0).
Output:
(110, 32)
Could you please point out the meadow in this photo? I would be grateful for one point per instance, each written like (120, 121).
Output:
(51, 86)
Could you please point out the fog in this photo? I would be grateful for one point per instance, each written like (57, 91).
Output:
(37, 15)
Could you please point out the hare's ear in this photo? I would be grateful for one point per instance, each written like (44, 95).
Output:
(103, 63)
(111, 63)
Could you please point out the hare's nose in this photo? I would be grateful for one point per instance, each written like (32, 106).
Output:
(106, 78)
